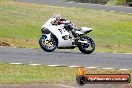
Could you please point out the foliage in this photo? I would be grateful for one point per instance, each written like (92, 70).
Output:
(91, 1)
(113, 2)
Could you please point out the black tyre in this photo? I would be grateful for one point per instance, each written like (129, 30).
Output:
(87, 48)
(48, 45)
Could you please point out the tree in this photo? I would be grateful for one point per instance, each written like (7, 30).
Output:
(121, 2)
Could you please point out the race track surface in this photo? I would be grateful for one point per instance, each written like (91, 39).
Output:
(82, 5)
(66, 58)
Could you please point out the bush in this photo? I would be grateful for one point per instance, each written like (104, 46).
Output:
(91, 1)
(110, 2)
(116, 2)
(121, 2)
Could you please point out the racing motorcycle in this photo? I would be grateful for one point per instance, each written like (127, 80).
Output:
(61, 36)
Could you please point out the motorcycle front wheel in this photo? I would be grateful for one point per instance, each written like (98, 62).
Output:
(88, 47)
(48, 45)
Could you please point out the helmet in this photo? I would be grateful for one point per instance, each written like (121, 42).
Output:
(57, 16)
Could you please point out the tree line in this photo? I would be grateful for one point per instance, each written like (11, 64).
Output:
(114, 2)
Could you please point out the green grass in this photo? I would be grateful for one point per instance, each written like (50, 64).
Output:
(22, 21)
(38, 74)
(42, 74)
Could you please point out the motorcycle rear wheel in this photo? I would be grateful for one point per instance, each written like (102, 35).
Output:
(84, 48)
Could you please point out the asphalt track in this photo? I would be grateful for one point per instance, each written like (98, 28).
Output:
(65, 58)
(82, 5)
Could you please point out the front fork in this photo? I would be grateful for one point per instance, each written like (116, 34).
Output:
(47, 36)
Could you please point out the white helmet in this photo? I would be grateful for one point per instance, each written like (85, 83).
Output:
(57, 16)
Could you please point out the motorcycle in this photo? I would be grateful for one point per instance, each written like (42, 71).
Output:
(61, 36)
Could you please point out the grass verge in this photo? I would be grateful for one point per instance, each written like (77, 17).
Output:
(42, 74)
(21, 22)
(37, 74)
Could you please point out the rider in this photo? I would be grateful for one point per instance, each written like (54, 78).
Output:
(58, 20)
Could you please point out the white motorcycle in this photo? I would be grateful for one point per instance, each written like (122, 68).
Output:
(61, 36)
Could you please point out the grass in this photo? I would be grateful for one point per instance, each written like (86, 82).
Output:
(37, 74)
(42, 74)
(21, 22)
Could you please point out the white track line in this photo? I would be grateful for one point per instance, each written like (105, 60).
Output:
(73, 66)
(16, 63)
(53, 65)
(114, 52)
(121, 53)
(70, 66)
(124, 69)
(65, 86)
(2, 46)
(35, 64)
(107, 68)
(91, 67)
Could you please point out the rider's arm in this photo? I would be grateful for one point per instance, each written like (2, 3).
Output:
(63, 22)
(55, 22)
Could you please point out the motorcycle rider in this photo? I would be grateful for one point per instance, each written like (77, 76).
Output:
(61, 33)
(58, 21)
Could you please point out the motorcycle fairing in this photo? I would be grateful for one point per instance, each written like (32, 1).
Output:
(59, 33)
